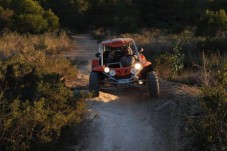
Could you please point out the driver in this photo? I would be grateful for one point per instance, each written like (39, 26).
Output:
(111, 57)
(128, 58)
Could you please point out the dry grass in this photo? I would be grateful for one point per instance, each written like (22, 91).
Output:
(12, 43)
(39, 51)
(204, 74)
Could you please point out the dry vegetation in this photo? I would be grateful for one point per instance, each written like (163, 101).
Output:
(35, 103)
(38, 50)
(11, 43)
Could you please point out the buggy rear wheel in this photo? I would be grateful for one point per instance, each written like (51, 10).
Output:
(94, 83)
(153, 84)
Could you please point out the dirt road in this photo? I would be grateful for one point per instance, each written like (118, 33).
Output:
(126, 119)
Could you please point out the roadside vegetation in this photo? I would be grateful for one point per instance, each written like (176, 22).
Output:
(34, 100)
(208, 128)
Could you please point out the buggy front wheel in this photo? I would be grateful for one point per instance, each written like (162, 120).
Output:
(153, 84)
(94, 83)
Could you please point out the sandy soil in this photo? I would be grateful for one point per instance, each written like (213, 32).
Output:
(126, 119)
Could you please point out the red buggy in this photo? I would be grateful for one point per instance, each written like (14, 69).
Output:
(111, 67)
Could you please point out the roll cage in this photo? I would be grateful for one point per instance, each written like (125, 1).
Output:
(117, 46)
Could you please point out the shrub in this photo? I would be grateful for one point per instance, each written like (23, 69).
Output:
(40, 120)
(169, 65)
(222, 75)
(52, 20)
(35, 103)
(5, 18)
(212, 23)
(209, 127)
(26, 7)
(98, 34)
(32, 23)
(28, 16)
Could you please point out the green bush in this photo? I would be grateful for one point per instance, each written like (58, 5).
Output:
(168, 65)
(35, 103)
(38, 108)
(28, 16)
(32, 23)
(52, 20)
(6, 19)
(212, 23)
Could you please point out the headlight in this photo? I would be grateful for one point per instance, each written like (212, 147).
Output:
(138, 66)
(133, 71)
(112, 73)
(107, 69)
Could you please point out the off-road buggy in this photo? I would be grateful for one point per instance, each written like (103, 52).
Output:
(109, 72)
